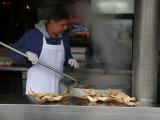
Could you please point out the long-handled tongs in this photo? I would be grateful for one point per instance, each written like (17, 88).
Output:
(40, 62)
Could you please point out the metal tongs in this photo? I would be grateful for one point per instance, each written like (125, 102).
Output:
(74, 81)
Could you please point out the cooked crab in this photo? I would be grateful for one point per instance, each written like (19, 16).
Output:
(122, 98)
(43, 96)
(94, 96)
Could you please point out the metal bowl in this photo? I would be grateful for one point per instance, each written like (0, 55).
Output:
(79, 92)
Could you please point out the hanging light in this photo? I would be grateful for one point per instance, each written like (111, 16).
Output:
(6, 4)
(28, 7)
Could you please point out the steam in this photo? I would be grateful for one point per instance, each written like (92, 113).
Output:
(112, 39)
(112, 43)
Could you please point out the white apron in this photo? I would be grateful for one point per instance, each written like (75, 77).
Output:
(42, 79)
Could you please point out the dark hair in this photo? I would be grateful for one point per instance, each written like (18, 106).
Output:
(58, 13)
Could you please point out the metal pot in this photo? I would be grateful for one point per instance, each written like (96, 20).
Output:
(79, 92)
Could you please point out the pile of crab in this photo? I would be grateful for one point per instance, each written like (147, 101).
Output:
(111, 95)
(92, 95)
(50, 97)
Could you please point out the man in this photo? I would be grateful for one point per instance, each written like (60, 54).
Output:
(46, 42)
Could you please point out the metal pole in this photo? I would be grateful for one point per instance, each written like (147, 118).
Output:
(40, 62)
(145, 55)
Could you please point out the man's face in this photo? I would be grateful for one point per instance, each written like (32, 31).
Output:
(57, 27)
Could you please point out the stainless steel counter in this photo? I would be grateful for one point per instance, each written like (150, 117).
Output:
(24, 110)
(13, 68)
(64, 112)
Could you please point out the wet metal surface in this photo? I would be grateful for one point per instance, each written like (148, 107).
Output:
(71, 108)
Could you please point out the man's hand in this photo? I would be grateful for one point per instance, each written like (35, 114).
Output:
(32, 57)
(73, 63)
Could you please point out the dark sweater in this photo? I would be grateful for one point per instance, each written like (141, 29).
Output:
(32, 40)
